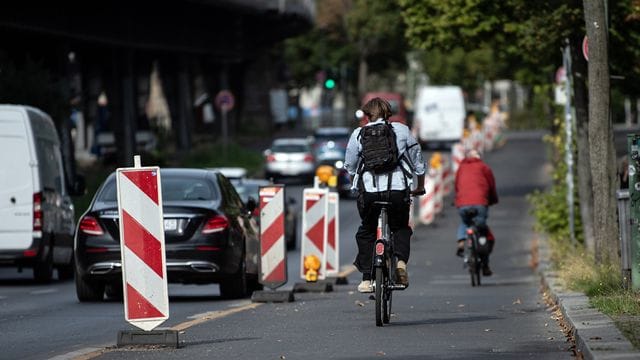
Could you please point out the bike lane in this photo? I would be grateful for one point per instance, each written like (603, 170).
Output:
(439, 316)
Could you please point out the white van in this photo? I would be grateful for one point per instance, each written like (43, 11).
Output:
(37, 220)
(439, 113)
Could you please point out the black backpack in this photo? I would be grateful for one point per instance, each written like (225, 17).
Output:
(379, 149)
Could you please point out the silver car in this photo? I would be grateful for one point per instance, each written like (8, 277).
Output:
(289, 157)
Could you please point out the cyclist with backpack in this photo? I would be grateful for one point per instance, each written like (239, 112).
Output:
(382, 158)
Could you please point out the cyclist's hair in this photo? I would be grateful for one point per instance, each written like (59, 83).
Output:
(377, 108)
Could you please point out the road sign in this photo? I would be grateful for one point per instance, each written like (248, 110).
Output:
(585, 48)
(273, 264)
(224, 100)
(144, 272)
(314, 229)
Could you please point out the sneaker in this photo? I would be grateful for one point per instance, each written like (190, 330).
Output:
(402, 277)
(365, 286)
(486, 271)
(460, 248)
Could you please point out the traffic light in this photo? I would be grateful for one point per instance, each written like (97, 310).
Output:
(329, 83)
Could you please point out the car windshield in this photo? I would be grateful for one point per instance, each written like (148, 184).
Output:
(173, 189)
(290, 148)
(332, 137)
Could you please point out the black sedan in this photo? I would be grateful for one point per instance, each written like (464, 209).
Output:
(210, 236)
(249, 191)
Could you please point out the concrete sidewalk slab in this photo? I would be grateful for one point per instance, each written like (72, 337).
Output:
(596, 335)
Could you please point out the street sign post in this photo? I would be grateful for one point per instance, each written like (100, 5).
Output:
(144, 273)
(225, 102)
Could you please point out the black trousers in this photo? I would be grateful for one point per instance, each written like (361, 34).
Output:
(398, 216)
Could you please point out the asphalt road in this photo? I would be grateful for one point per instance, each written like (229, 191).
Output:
(439, 316)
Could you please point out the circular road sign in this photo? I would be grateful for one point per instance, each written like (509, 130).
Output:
(585, 48)
(224, 100)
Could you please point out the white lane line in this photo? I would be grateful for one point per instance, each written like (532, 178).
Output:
(44, 291)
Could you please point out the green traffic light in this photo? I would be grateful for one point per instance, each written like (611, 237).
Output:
(329, 83)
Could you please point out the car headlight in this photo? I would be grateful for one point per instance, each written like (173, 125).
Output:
(339, 164)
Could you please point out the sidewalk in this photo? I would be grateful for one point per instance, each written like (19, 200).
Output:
(595, 333)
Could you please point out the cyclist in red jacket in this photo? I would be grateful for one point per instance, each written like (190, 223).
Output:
(475, 187)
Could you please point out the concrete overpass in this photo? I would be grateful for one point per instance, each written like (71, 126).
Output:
(200, 47)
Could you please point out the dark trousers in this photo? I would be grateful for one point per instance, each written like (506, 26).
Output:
(398, 216)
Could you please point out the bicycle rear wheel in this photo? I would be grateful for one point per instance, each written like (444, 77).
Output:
(388, 293)
(379, 300)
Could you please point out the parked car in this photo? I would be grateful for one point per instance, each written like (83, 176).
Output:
(37, 218)
(330, 146)
(249, 190)
(289, 157)
(210, 236)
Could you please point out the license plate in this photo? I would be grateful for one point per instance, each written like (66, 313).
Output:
(170, 224)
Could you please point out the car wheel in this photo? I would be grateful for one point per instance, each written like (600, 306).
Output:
(87, 291)
(114, 290)
(43, 269)
(235, 286)
(65, 272)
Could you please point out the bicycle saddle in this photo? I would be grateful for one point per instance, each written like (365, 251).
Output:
(470, 212)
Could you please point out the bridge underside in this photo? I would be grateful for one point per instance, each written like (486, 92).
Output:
(199, 48)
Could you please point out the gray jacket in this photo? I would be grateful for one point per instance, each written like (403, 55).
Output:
(412, 162)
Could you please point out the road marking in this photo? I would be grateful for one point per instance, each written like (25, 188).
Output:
(347, 270)
(212, 315)
(82, 354)
(45, 291)
(93, 352)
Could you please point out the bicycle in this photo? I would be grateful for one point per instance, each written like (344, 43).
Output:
(384, 266)
(475, 246)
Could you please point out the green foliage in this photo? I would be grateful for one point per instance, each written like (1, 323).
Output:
(550, 207)
(211, 155)
(29, 82)
(469, 69)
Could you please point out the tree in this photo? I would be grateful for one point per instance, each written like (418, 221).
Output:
(602, 153)
(526, 37)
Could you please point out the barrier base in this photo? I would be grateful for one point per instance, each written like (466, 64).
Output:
(168, 338)
(318, 286)
(338, 280)
(267, 296)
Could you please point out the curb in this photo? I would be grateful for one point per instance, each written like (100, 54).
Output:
(595, 333)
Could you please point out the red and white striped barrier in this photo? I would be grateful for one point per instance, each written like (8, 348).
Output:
(457, 155)
(438, 200)
(427, 202)
(314, 228)
(447, 175)
(333, 234)
(144, 272)
(273, 252)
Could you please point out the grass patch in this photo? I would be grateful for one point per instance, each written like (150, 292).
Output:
(602, 284)
(212, 155)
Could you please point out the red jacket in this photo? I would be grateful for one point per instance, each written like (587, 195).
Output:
(475, 184)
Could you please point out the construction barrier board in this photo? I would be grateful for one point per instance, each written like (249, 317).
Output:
(144, 272)
(273, 251)
(314, 229)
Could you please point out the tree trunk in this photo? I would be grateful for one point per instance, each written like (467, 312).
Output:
(362, 76)
(602, 154)
(581, 103)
